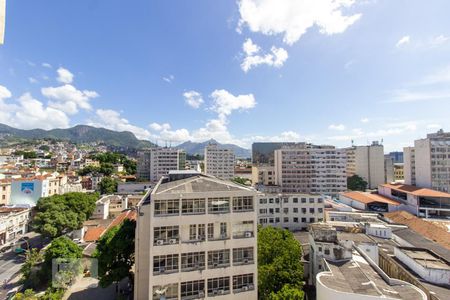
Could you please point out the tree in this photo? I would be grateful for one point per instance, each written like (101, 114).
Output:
(30, 269)
(279, 264)
(62, 250)
(59, 214)
(287, 293)
(107, 186)
(115, 253)
(356, 183)
(29, 294)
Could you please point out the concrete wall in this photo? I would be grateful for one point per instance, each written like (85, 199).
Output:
(408, 165)
(423, 163)
(352, 203)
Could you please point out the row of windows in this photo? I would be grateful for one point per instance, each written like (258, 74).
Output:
(196, 289)
(198, 206)
(286, 200)
(295, 210)
(286, 220)
(170, 263)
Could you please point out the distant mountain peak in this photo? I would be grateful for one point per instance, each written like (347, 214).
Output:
(194, 148)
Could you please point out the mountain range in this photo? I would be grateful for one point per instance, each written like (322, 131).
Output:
(193, 148)
(89, 134)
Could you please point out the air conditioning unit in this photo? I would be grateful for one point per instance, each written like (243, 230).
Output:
(245, 288)
(201, 237)
(201, 294)
(223, 235)
(173, 241)
(248, 234)
(246, 261)
(162, 269)
(215, 265)
(251, 286)
(215, 292)
(221, 292)
(160, 242)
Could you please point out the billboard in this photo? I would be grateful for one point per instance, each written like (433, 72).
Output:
(27, 187)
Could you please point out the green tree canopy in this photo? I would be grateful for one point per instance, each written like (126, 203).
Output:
(62, 213)
(115, 253)
(61, 249)
(356, 183)
(279, 263)
(108, 185)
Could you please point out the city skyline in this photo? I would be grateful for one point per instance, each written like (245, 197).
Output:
(325, 72)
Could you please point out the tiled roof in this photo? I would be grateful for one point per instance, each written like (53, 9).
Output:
(128, 214)
(416, 191)
(93, 234)
(424, 228)
(369, 198)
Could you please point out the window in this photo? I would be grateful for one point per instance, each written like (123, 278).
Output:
(210, 231)
(295, 200)
(270, 200)
(165, 264)
(311, 210)
(311, 220)
(223, 230)
(320, 210)
(295, 210)
(286, 200)
(277, 220)
(192, 232)
(311, 200)
(303, 210)
(170, 291)
(277, 210)
(193, 289)
(263, 211)
(192, 206)
(286, 220)
(242, 283)
(327, 251)
(295, 220)
(303, 200)
(303, 220)
(219, 205)
(201, 232)
(218, 286)
(242, 256)
(319, 200)
(244, 203)
(286, 210)
(277, 200)
(192, 261)
(218, 259)
(167, 207)
(271, 211)
(166, 235)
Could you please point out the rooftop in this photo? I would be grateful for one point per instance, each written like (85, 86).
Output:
(422, 227)
(368, 198)
(425, 258)
(198, 184)
(416, 191)
(358, 277)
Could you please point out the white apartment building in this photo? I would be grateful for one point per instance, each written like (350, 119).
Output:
(157, 162)
(14, 222)
(219, 162)
(431, 162)
(5, 191)
(290, 211)
(196, 239)
(263, 175)
(311, 169)
(409, 165)
(368, 163)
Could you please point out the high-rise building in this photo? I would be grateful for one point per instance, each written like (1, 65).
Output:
(263, 153)
(2, 20)
(157, 162)
(431, 164)
(409, 165)
(311, 169)
(397, 157)
(368, 163)
(219, 161)
(263, 175)
(196, 239)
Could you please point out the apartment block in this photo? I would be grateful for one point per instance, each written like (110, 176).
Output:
(409, 165)
(263, 175)
(431, 163)
(14, 222)
(196, 239)
(263, 153)
(290, 211)
(219, 162)
(5, 192)
(311, 169)
(367, 162)
(157, 162)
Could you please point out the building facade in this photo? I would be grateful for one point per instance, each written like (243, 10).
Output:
(409, 165)
(367, 162)
(196, 239)
(14, 222)
(157, 162)
(263, 175)
(219, 162)
(311, 169)
(290, 211)
(5, 192)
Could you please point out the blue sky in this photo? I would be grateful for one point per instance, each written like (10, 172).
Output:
(237, 71)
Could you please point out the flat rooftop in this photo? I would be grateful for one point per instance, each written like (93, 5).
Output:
(416, 191)
(426, 258)
(368, 198)
(358, 277)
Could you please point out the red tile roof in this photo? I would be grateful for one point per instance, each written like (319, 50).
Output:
(369, 198)
(93, 234)
(416, 191)
(425, 228)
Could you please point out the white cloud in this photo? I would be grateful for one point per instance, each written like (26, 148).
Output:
(403, 41)
(438, 40)
(169, 78)
(338, 127)
(293, 18)
(112, 119)
(159, 127)
(47, 65)
(193, 99)
(32, 80)
(68, 98)
(434, 126)
(276, 58)
(64, 75)
(224, 103)
(403, 96)
(4, 93)
(440, 76)
(365, 120)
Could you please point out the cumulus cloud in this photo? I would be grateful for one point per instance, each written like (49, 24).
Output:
(224, 103)
(111, 119)
(403, 96)
(338, 127)
(169, 78)
(365, 120)
(68, 98)
(28, 113)
(403, 41)
(159, 127)
(193, 99)
(276, 58)
(292, 18)
(64, 75)
(47, 65)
